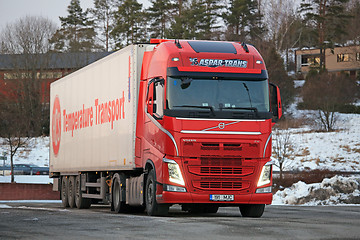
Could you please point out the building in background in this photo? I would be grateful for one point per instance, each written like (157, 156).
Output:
(44, 68)
(339, 59)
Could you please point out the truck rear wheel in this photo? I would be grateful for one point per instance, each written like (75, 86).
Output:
(118, 200)
(152, 207)
(79, 200)
(64, 192)
(252, 210)
(71, 191)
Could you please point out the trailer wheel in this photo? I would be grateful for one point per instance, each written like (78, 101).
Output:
(64, 192)
(252, 210)
(71, 191)
(79, 200)
(118, 193)
(152, 207)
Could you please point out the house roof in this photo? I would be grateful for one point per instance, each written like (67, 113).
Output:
(49, 60)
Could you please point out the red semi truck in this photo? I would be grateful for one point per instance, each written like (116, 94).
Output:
(169, 122)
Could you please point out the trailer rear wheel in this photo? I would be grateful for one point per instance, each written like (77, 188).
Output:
(152, 207)
(71, 191)
(64, 192)
(79, 200)
(252, 210)
(118, 193)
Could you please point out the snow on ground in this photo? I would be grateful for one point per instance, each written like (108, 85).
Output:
(37, 152)
(27, 179)
(334, 191)
(336, 151)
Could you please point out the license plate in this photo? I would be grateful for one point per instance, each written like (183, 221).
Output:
(215, 197)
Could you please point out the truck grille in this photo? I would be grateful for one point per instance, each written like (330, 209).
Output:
(220, 170)
(217, 185)
(221, 174)
(226, 170)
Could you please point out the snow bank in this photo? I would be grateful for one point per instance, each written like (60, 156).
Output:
(333, 191)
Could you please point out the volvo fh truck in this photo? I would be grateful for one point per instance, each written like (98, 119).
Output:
(167, 122)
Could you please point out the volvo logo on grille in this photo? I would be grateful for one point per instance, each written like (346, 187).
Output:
(221, 125)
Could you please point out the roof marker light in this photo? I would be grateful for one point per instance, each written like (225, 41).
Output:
(259, 62)
(175, 59)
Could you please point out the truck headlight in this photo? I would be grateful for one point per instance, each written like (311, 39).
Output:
(265, 176)
(175, 175)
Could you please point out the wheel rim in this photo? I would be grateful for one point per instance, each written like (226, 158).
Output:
(150, 193)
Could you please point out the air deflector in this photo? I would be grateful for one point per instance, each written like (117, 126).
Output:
(212, 47)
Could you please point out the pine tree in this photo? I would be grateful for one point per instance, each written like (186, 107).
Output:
(211, 19)
(353, 28)
(77, 32)
(201, 19)
(243, 20)
(179, 21)
(103, 15)
(195, 24)
(130, 24)
(327, 17)
(159, 17)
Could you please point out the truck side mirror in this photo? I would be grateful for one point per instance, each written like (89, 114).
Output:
(155, 98)
(275, 101)
(150, 99)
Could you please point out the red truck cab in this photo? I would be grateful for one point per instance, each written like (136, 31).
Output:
(203, 131)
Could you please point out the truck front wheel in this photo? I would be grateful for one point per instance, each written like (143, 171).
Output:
(152, 207)
(252, 210)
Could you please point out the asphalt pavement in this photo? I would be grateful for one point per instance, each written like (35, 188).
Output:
(50, 221)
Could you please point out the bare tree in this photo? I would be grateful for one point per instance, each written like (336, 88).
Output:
(27, 35)
(279, 18)
(283, 25)
(283, 148)
(23, 109)
(14, 129)
(327, 93)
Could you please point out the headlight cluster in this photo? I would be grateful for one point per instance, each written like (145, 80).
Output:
(175, 175)
(265, 176)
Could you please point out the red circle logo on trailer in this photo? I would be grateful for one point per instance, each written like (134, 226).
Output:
(56, 126)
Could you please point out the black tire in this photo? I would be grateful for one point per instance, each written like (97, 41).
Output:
(252, 210)
(152, 207)
(118, 191)
(64, 192)
(71, 191)
(79, 200)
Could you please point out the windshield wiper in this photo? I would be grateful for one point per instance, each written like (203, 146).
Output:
(204, 107)
(243, 108)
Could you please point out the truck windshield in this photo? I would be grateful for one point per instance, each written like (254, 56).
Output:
(217, 95)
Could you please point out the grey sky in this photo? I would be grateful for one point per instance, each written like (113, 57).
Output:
(10, 10)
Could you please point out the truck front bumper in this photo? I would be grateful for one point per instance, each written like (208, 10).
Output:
(179, 198)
